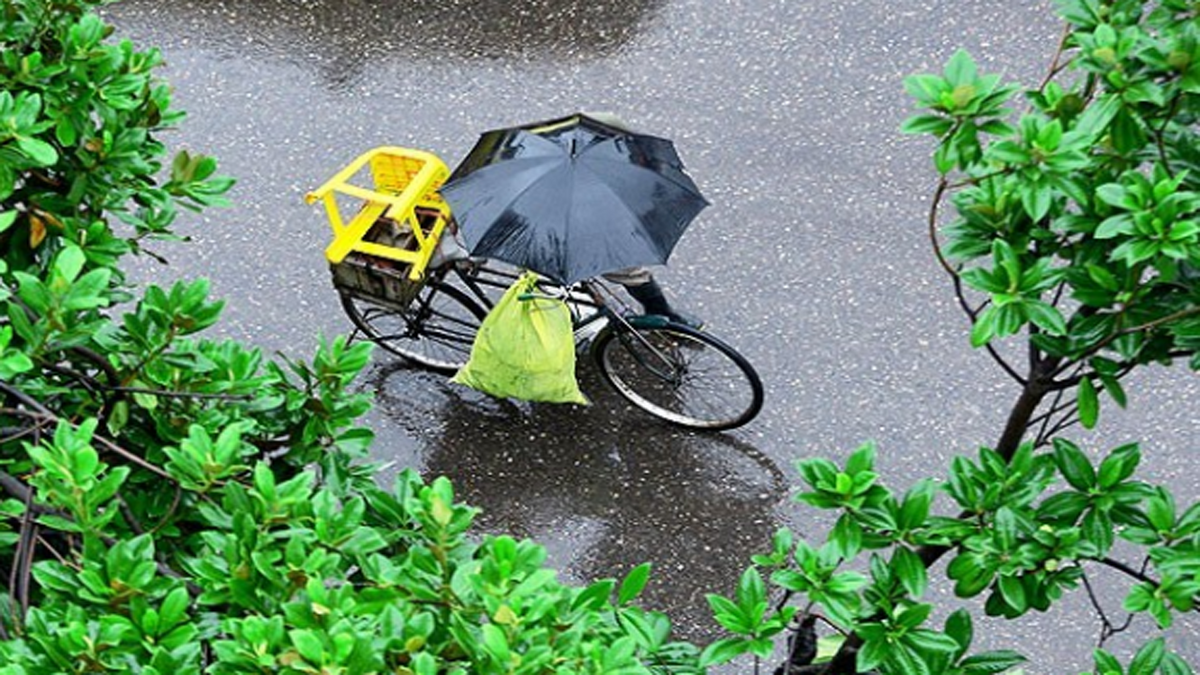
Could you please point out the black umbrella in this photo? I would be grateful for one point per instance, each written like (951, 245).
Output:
(572, 198)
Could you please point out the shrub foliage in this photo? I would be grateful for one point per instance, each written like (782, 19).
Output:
(175, 504)
(1073, 247)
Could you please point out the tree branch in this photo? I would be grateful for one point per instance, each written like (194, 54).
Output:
(1055, 66)
(1115, 335)
(1107, 628)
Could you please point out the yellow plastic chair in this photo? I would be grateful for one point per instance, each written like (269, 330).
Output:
(404, 189)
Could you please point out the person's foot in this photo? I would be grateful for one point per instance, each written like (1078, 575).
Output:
(689, 320)
(650, 296)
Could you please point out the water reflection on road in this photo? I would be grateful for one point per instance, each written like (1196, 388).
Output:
(341, 38)
(603, 487)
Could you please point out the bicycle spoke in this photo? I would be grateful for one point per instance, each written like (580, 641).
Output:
(681, 375)
(435, 331)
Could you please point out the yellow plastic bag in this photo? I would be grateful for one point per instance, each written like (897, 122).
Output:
(525, 349)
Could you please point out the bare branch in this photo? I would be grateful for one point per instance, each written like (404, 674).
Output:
(938, 193)
(180, 394)
(1056, 66)
(1115, 335)
(1107, 627)
(44, 415)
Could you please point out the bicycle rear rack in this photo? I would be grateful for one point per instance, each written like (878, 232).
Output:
(383, 250)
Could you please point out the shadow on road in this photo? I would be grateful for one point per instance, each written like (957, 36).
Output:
(603, 487)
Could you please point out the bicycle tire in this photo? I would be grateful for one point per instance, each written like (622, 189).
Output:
(435, 330)
(707, 385)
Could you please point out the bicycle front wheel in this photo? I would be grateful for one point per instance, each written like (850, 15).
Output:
(681, 375)
(435, 330)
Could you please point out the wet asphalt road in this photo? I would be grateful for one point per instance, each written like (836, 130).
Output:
(812, 260)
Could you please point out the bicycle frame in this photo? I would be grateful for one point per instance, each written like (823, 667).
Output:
(430, 315)
(585, 300)
(672, 371)
(486, 283)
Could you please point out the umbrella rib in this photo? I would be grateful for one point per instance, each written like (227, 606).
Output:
(619, 200)
(546, 172)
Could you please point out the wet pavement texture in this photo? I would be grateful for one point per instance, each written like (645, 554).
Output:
(813, 259)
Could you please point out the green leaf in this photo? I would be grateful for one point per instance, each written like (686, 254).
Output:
(958, 626)
(7, 218)
(1046, 317)
(723, 651)
(1005, 524)
(1112, 386)
(174, 607)
(39, 151)
(751, 592)
(1097, 527)
(984, 329)
(1074, 465)
(595, 596)
(636, 626)
(1089, 404)
(1008, 152)
(944, 158)
(913, 615)
(846, 536)
(907, 661)
(862, 459)
(871, 654)
(1092, 123)
(926, 88)
(910, 570)
(1173, 664)
(931, 642)
(1148, 658)
(1119, 465)
(1119, 224)
(1116, 194)
(914, 511)
(1106, 663)
(1050, 136)
(927, 124)
(988, 663)
(634, 582)
(960, 69)
(1013, 592)
(1064, 506)
(1037, 198)
(729, 614)
(496, 643)
(309, 646)
(69, 262)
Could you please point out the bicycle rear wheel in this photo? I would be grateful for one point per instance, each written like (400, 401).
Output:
(681, 375)
(435, 330)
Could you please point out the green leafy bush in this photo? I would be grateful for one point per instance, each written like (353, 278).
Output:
(173, 504)
(1074, 250)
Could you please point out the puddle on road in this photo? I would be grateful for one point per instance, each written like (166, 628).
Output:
(343, 38)
(603, 487)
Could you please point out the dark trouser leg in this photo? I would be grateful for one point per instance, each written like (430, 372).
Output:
(650, 296)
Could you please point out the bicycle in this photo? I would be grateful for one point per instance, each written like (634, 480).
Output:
(430, 315)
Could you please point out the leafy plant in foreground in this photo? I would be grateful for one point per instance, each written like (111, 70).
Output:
(175, 504)
(1074, 251)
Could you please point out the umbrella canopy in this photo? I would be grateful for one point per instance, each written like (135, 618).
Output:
(572, 198)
